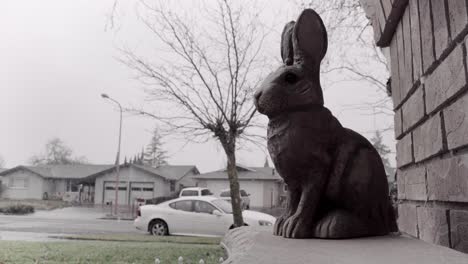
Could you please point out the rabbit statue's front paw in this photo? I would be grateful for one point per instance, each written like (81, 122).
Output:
(297, 226)
(278, 227)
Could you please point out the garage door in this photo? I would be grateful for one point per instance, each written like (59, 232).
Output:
(143, 190)
(109, 192)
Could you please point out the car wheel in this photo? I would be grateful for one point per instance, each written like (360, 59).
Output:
(247, 207)
(158, 228)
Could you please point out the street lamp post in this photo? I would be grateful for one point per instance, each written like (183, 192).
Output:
(117, 159)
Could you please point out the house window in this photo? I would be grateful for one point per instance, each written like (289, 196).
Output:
(285, 187)
(147, 189)
(172, 186)
(18, 182)
(72, 186)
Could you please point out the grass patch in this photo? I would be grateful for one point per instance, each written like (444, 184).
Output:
(106, 252)
(145, 238)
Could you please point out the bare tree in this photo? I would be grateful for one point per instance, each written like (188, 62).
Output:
(206, 77)
(56, 152)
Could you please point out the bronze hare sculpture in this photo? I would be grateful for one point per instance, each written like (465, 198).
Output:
(336, 179)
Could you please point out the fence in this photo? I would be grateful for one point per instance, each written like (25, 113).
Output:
(180, 260)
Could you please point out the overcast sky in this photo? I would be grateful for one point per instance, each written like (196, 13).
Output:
(57, 58)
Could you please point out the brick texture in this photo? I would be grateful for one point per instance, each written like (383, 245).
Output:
(415, 39)
(404, 151)
(414, 183)
(413, 109)
(402, 72)
(441, 36)
(456, 123)
(427, 139)
(408, 76)
(400, 181)
(394, 64)
(447, 79)
(398, 123)
(457, 16)
(433, 226)
(459, 230)
(407, 219)
(447, 179)
(426, 33)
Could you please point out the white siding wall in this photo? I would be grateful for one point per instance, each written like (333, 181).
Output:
(270, 193)
(34, 189)
(186, 181)
(127, 175)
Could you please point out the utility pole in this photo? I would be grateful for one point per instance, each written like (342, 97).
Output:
(117, 159)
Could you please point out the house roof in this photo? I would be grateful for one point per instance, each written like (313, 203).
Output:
(69, 171)
(243, 173)
(168, 172)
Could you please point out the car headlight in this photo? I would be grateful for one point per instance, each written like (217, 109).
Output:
(264, 223)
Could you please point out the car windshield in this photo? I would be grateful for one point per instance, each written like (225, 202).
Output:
(223, 205)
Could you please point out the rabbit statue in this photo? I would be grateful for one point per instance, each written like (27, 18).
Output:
(337, 186)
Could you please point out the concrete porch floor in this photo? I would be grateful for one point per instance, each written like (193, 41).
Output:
(247, 246)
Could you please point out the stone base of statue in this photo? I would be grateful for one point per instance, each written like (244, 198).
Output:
(246, 246)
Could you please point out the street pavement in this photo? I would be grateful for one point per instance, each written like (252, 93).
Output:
(71, 220)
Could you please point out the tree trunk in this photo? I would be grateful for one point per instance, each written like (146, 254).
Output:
(234, 185)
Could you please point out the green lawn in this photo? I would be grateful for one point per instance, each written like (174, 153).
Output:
(145, 238)
(168, 251)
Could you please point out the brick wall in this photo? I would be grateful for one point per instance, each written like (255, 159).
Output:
(428, 52)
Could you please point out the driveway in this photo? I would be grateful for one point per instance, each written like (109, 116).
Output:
(70, 220)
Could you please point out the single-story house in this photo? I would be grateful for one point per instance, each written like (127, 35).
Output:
(48, 181)
(140, 181)
(94, 183)
(265, 186)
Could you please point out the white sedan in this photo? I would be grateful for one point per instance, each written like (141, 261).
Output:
(199, 216)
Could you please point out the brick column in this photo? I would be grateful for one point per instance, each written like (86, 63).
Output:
(428, 52)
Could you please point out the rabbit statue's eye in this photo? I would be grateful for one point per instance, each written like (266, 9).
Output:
(290, 78)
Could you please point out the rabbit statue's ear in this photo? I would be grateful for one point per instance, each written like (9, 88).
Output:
(287, 53)
(309, 38)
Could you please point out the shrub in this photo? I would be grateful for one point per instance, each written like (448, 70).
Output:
(17, 209)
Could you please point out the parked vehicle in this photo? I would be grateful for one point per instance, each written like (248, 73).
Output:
(196, 216)
(245, 204)
(195, 191)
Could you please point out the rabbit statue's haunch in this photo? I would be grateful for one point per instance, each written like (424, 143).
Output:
(336, 179)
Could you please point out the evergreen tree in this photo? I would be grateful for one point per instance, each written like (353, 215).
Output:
(383, 151)
(155, 155)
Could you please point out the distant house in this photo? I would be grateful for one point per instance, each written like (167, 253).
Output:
(140, 181)
(1, 170)
(264, 185)
(94, 183)
(47, 182)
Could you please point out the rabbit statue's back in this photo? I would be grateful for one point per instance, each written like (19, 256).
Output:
(337, 186)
